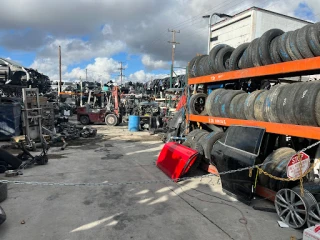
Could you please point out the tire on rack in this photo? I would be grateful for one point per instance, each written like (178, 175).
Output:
(259, 106)
(197, 103)
(202, 66)
(264, 45)
(317, 109)
(215, 105)
(255, 53)
(285, 103)
(249, 104)
(236, 56)
(210, 100)
(224, 108)
(313, 39)
(207, 143)
(302, 42)
(274, 50)
(3, 191)
(248, 61)
(197, 66)
(239, 110)
(291, 46)
(12, 160)
(222, 59)
(269, 163)
(271, 103)
(206, 68)
(111, 119)
(191, 67)
(305, 103)
(278, 167)
(235, 103)
(282, 50)
(212, 56)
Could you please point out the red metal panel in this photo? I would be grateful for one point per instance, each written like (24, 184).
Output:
(175, 159)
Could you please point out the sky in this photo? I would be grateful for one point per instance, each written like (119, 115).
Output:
(97, 34)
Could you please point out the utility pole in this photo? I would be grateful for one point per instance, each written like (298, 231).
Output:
(86, 75)
(81, 104)
(60, 87)
(121, 72)
(173, 42)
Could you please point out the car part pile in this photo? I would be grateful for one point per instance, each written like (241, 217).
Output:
(296, 103)
(274, 46)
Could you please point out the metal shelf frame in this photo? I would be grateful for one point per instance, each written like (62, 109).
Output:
(288, 69)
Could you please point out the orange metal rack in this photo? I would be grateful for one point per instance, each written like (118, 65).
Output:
(287, 69)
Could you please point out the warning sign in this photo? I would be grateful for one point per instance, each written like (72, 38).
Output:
(293, 167)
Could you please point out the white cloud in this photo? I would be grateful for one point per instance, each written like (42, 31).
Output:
(106, 30)
(101, 69)
(142, 76)
(151, 64)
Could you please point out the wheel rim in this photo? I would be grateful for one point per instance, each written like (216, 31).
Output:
(314, 215)
(292, 208)
(111, 121)
(199, 104)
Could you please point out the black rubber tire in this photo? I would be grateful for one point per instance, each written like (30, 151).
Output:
(302, 42)
(235, 103)
(305, 103)
(279, 167)
(264, 45)
(210, 100)
(190, 136)
(3, 191)
(248, 61)
(317, 109)
(291, 46)
(202, 66)
(3, 215)
(206, 68)
(199, 149)
(271, 158)
(212, 56)
(313, 37)
(249, 104)
(194, 99)
(255, 53)
(259, 106)
(285, 103)
(207, 143)
(274, 50)
(271, 103)
(84, 120)
(224, 108)
(7, 157)
(197, 68)
(236, 56)
(111, 119)
(191, 66)
(282, 50)
(239, 111)
(216, 103)
(222, 59)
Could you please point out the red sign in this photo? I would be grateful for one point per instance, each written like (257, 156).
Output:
(293, 167)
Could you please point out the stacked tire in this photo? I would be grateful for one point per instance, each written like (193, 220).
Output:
(202, 141)
(274, 46)
(297, 103)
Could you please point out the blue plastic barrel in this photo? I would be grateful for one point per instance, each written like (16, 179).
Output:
(134, 122)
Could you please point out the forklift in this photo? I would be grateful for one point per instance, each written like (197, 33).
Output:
(110, 114)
